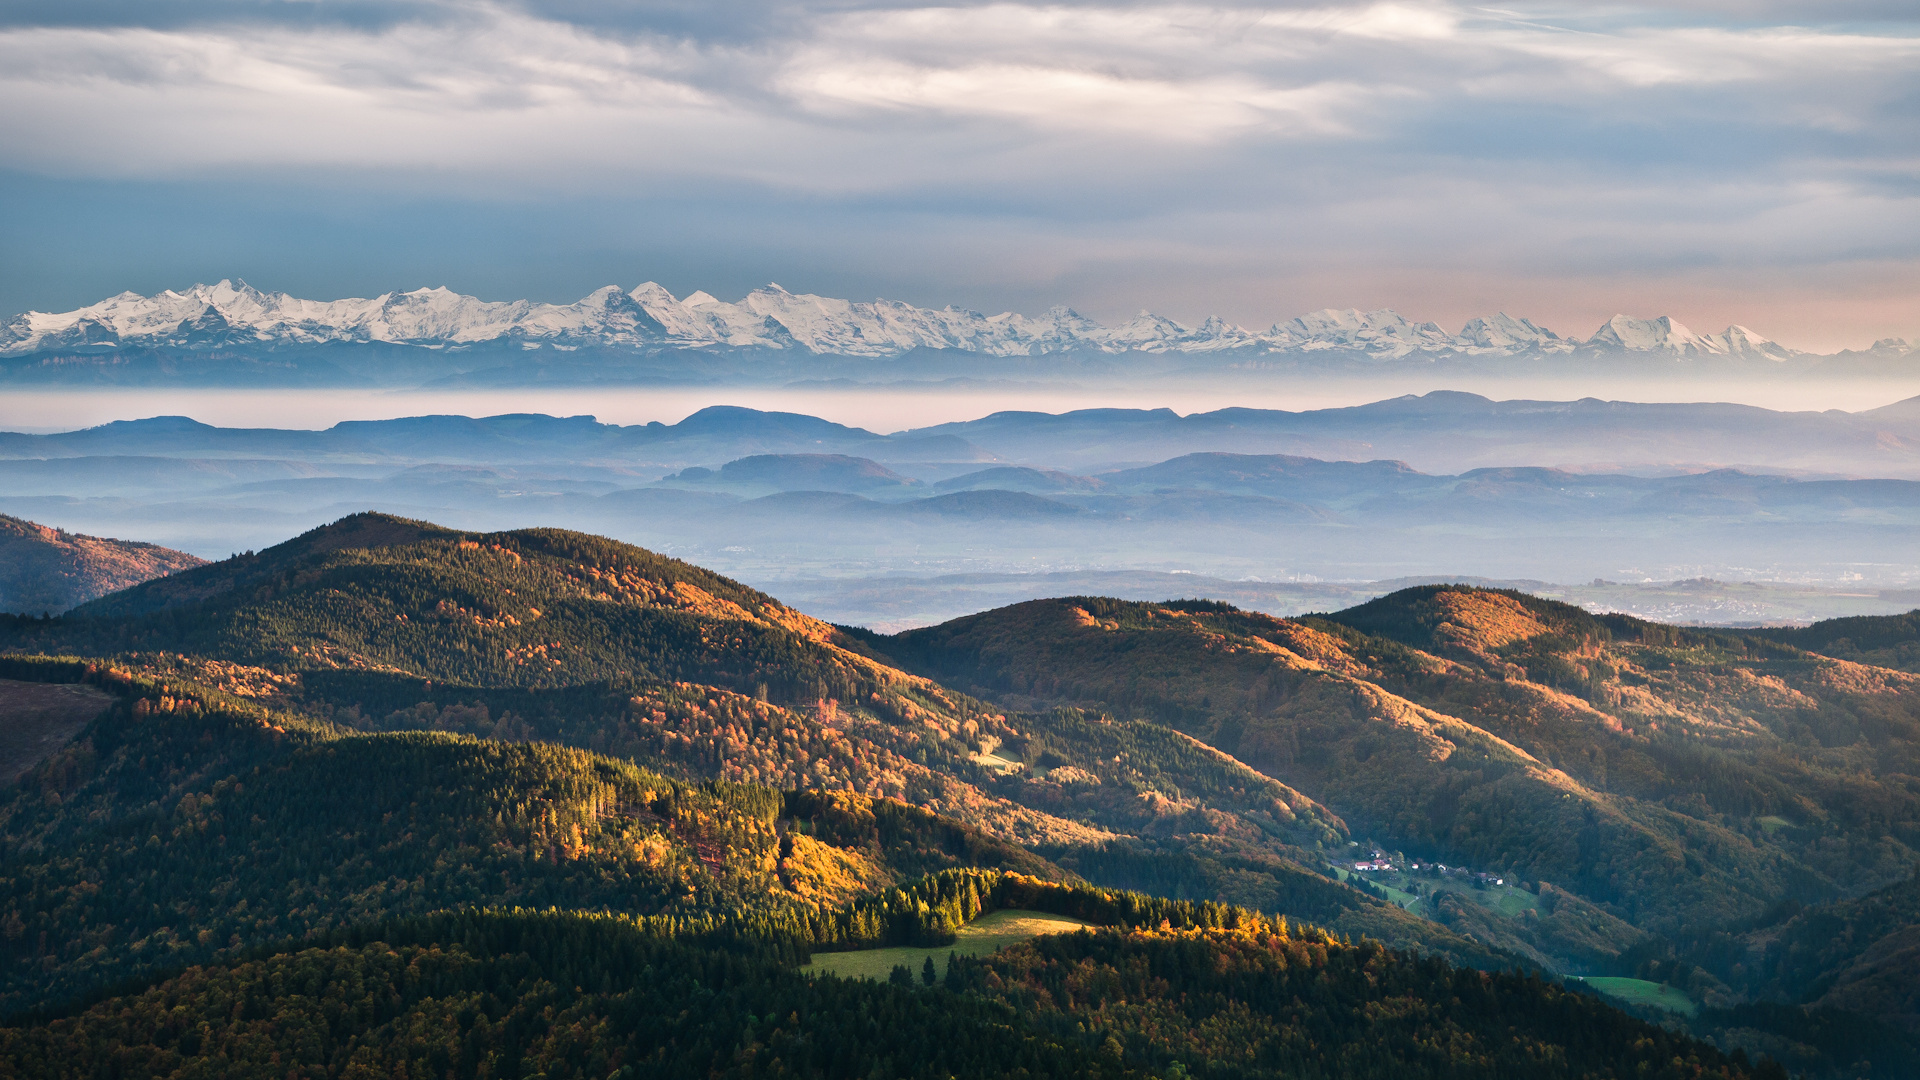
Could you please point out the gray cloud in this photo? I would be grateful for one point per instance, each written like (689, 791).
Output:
(1691, 151)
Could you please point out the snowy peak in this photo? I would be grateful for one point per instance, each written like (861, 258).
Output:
(1382, 333)
(1666, 336)
(1647, 335)
(234, 314)
(1504, 332)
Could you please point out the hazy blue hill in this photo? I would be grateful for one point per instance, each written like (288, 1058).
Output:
(799, 472)
(184, 436)
(1177, 508)
(1439, 433)
(1277, 475)
(733, 421)
(990, 504)
(853, 510)
(1021, 478)
(665, 501)
(785, 506)
(122, 475)
(1448, 431)
(715, 434)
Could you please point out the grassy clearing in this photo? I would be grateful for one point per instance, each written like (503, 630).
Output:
(1773, 823)
(1398, 896)
(1642, 992)
(998, 764)
(1514, 902)
(988, 933)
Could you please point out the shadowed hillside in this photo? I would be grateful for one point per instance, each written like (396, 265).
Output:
(1882, 640)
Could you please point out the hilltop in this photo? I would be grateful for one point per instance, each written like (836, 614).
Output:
(45, 570)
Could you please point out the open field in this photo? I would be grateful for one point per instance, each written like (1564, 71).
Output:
(1642, 992)
(988, 933)
(37, 719)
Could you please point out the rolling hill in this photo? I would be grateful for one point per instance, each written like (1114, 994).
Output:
(378, 624)
(1681, 783)
(47, 571)
(204, 885)
(382, 719)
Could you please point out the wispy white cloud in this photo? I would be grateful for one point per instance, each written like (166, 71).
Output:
(1433, 134)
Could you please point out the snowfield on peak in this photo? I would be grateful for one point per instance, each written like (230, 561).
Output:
(649, 317)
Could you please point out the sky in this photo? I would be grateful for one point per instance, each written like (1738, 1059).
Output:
(1754, 163)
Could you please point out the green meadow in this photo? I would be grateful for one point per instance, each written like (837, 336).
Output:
(988, 933)
(1642, 992)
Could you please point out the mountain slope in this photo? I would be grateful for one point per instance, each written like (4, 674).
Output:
(306, 873)
(573, 639)
(342, 731)
(1210, 993)
(1862, 955)
(46, 570)
(186, 821)
(1678, 780)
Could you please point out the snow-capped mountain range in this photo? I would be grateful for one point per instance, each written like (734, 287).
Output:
(649, 318)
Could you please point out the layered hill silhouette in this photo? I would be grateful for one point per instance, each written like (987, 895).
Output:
(1412, 488)
(317, 747)
(47, 571)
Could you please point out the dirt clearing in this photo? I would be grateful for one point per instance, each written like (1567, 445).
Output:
(37, 719)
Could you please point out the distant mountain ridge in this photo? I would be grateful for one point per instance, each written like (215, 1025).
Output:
(234, 315)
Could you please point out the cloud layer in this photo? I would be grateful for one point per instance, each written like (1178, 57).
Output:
(1564, 161)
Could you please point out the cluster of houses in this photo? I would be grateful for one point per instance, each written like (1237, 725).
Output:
(1379, 863)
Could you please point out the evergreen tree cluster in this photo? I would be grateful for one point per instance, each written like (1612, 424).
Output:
(519, 994)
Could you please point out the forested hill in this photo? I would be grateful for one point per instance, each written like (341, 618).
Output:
(377, 624)
(385, 718)
(46, 571)
(185, 822)
(536, 608)
(1684, 784)
(1884, 640)
(559, 996)
(360, 904)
